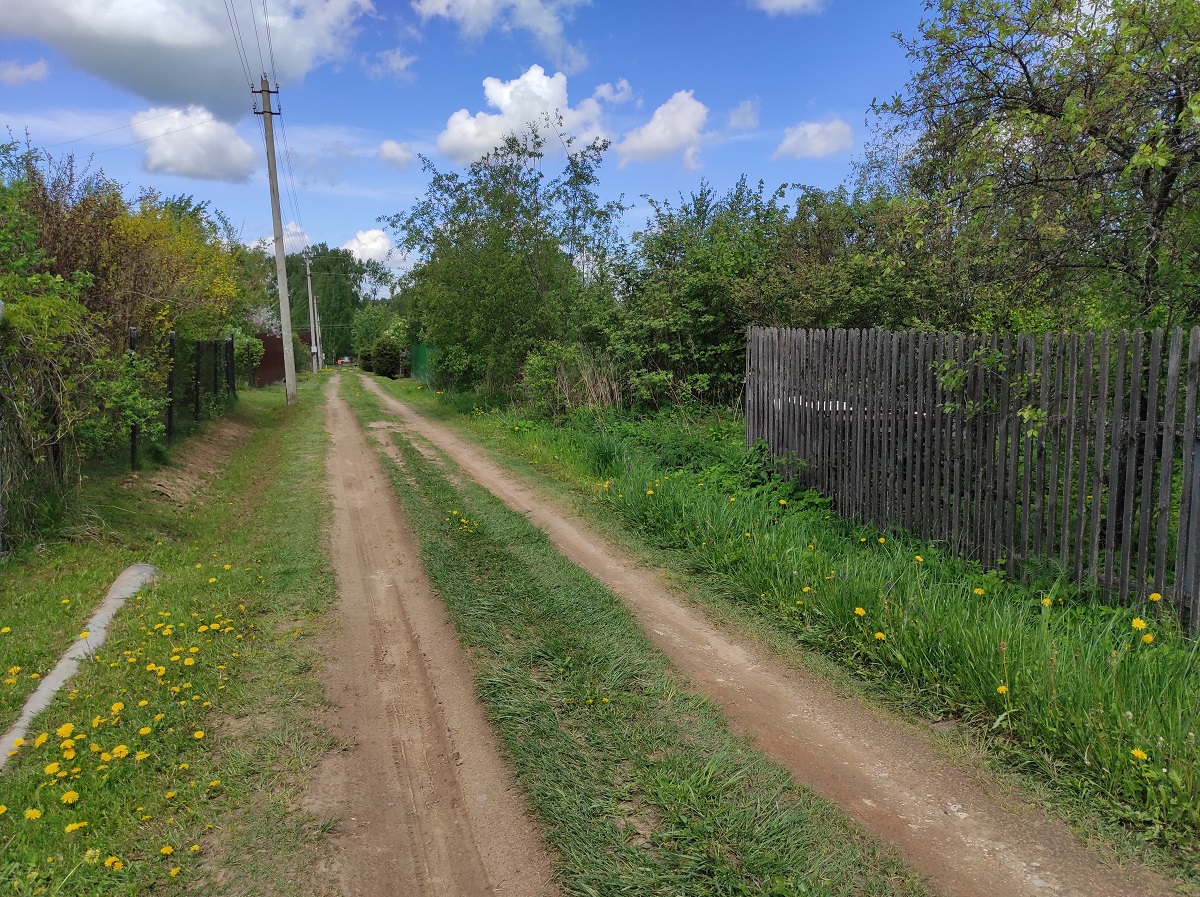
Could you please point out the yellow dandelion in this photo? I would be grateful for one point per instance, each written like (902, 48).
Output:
(51, 768)
(188, 661)
(33, 813)
(65, 730)
(228, 566)
(1137, 752)
(144, 730)
(195, 848)
(118, 707)
(174, 872)
(1003, 689)
(40, 740)
(212, 579)
(5, 630)
(858, 611)
(166, 850)
(3, 809)
(783, 501)
(1147, 638)
(1155, 596)
(1046, 602)
(977, 590)
(919, 559)
(74, 827)
(1138, 623)
(198, 734)
(880, 636)
(141, 755)
(882, 540)
(69, 797)
(84, 634)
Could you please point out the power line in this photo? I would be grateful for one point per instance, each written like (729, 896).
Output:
(110, 130)
(270, 45)
(238, 42)
(156, 136)
(257, 40)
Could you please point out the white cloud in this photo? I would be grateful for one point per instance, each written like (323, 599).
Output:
(374, 245)
(191, 144)
(295, 238)
(542, 18)
(786, 7)
(392, 62)
(813, 139)
(521, 101)
(676, 125)
(176, 54)
(398, 154)
(15, 73)
(744, 115)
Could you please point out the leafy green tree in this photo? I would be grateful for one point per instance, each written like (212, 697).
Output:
(341, 284)
(371, 322)
(1054, 150)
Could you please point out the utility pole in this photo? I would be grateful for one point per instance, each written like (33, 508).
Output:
(285, 306)
(312, 313)
(320, 341)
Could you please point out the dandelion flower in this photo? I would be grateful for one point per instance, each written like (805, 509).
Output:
(198, 734)
(74, 827)
(228, 566)
(144, 730)
(51, 768)
(1137, 752)
(977, 590)
(860, 612)
(166, 850)
(880, 636)
(1155, 596)
(212, 579)
(40, 740)
(5, 630)
(649, 491)
(919, 559)
(65, 730)
(1147, 638)
(1003, 689)
(1138, 623)
(195, 848)
(3, 809)
(783, 501)
(69, 797)
(174, 872)
(882, 540)
(118, 707)
(84, 634)
(1046, 602)
(33, 813)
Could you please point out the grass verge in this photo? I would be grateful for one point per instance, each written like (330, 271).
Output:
(638, 782)
(1101, 703)
(175, 760)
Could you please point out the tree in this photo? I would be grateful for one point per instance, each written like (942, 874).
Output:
(1056, 147)
(341, 284)
(507, 258)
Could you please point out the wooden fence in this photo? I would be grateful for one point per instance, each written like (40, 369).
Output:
(1079, 449)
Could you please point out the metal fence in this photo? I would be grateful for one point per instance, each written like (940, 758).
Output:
(1075, 449)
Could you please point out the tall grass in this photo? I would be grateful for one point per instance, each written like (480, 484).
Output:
(1103, 700)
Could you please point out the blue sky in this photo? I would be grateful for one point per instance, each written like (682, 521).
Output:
(777, 90)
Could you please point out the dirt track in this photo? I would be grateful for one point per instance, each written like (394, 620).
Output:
(425, 804)
(887, 774)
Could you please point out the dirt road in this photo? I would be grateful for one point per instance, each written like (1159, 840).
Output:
(425, 804)
(885, 773)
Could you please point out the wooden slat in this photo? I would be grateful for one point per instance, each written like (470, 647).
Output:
(1166, 476)
(1112, 510)
(1129, 456)
(912, 386)
(1015, 449)
(956, 446)
(1150, 443)
(1001, 512)
(1053, 445)
(1084, 421)
(896, 401)
(1184, 586)
(1037, 525)
(1099, 455)
(1070, 430)
(1027, 448)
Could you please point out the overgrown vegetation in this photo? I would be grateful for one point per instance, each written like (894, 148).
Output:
(1103, 701)
(185, 743)
(1040, 171)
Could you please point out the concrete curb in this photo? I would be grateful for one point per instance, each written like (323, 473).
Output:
(124, 587)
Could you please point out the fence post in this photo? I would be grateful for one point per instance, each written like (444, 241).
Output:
(216, 370)
(197, 352)
(171, 388)
(230, 374)
(134, 430)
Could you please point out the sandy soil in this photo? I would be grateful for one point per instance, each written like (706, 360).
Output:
(199, 461)
(948, 822)
(426, 806)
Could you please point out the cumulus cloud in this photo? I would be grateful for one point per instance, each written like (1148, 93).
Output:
(15, 73)
(788, 7)
(394, 62)
(176, 54)
(677, 125)
(370, 245)
(190, 143)
(295, 238)
(744, 115)
(542, 18)
(518, 102)
(398, 154)
(812, 139)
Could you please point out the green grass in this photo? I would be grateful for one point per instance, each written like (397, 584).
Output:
(1064, 687)
(639, 784)
(244, 586)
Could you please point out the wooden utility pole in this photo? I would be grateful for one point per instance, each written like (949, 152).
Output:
(285, 306)
(312, 313)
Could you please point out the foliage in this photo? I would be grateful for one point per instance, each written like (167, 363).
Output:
(1055, 149)
(370, 322)
(387, 356)
(342, 285)
(508, 258)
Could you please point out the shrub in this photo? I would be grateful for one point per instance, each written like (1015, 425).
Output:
(387, 357)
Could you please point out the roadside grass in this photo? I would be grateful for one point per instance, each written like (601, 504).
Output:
(1101, 702)
(639, 784)
(174, 760)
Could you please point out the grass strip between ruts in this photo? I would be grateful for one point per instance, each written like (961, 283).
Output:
(637, 780)
(176, 758)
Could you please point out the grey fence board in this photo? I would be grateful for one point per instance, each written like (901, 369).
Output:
(1075, 450)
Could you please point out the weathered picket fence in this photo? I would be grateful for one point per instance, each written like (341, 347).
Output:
(1080, 449)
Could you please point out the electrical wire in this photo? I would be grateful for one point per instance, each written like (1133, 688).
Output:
(257, 39)
(270, 45)
(157, 136)
(238, 42)
(110, 130)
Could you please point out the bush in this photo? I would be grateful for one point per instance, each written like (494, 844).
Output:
(387, 357)
(365, 361)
